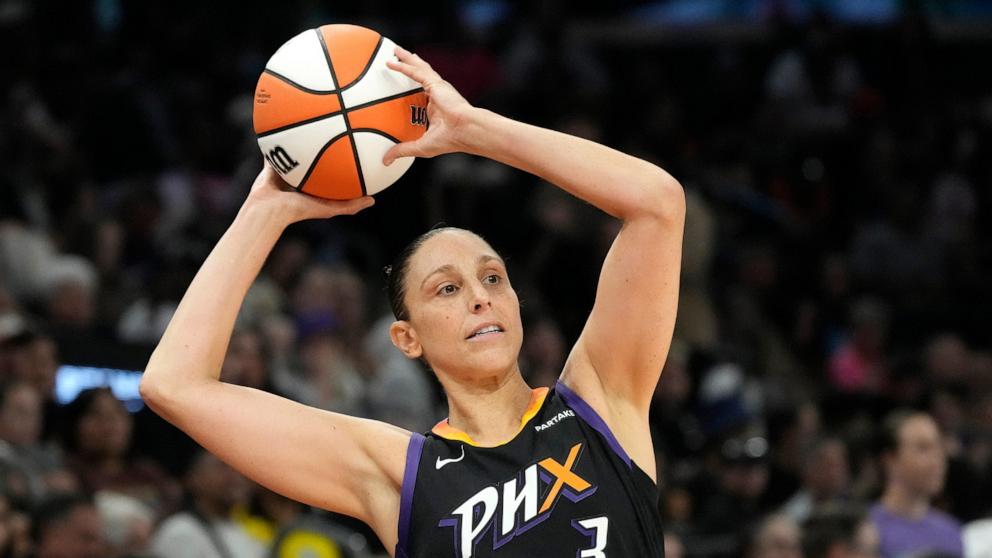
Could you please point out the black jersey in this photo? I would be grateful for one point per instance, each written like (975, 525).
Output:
(561, 488)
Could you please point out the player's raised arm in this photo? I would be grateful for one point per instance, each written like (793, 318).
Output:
(618, 358)
(336, 462)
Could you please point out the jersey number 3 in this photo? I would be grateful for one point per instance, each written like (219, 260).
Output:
(595, 527)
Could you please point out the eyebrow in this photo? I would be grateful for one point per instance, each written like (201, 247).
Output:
(485, 258)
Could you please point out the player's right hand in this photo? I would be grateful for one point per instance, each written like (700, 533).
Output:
(271, 191)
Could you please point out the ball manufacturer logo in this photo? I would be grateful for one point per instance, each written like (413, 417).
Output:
(280, 160)
(418, 115)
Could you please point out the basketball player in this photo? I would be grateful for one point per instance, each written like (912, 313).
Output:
(513, 471)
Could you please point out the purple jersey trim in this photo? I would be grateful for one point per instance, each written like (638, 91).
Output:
(413, 452)
(592, 419)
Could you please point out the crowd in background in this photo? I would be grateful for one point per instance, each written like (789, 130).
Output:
(829, 388)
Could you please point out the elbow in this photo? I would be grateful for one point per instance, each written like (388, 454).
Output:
(150, 390)
(665, 200)
(154, 392)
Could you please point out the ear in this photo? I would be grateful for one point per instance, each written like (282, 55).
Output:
(404, 337)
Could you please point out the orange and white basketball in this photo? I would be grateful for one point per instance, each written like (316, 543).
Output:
(327, 108)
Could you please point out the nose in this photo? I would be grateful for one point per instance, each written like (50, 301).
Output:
(480, 298)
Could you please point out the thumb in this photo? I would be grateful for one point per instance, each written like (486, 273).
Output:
(405, 149)
(353, 206)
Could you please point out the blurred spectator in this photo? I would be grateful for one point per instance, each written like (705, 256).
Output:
(839, 533)
(205, 528)
(825, 479)
(735, 502)
(246, 363)
(69, 527)
(915, 465)
(127, 523)
(978, 538)
(861, 364)
(543, 352)
(20, 441)
(291, 530)
(399, 391)
(31, 357)
(97, 436)
(776, 536)
(15, 530)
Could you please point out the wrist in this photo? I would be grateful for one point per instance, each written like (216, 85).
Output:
(476, 136)
(263, 214)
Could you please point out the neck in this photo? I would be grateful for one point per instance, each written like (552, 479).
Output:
(904, 503)
(489, 411)
(103, 464)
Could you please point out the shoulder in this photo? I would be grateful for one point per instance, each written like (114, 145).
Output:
(177, 529)
(944, 521)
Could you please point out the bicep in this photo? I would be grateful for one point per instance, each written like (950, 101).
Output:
(628, 334)
(324, 459)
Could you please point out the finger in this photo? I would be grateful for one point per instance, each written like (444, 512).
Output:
(423, 76)
(359, 204)
(405, 149)
(413, 67)
(347, 207)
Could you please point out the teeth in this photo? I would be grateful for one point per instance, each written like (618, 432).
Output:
(489, 329)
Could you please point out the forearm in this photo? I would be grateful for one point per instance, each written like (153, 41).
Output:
(619, 184)
(194, 345)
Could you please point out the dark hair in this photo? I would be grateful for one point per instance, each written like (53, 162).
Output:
(396, 273)
(74, 412)
(56, 509)
(888, 437)
(825, 529)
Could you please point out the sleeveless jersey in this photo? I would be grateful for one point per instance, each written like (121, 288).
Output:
(561, 488)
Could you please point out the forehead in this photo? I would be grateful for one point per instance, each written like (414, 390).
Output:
(918, 427)
(457, 248)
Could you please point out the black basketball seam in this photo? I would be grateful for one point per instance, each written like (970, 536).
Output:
(347, 123)
(367, 67)
(298, 86)
(300, 123)
(313, 163)
(377, 132)
(385, 99)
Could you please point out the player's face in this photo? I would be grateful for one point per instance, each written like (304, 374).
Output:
(464, 315)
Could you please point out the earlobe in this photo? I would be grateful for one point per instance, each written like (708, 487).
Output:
(404, 337)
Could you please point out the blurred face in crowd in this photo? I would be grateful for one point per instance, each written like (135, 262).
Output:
(78, 535)
(72, 303)
(15, 530)
(456, 284)
(104, 430)
(919, 462)
(826, 472)
(36, 363)
(244, 363)
(215, 486)
(866, 541)
(20, 415)
(778, 537)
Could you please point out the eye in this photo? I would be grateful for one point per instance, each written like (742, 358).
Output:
(447, 289)
(492, 279)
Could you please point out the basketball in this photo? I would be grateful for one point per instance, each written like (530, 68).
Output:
(327, 108)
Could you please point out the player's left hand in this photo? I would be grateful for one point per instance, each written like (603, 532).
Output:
(446, 110)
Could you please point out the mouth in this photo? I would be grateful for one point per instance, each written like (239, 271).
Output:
(486, 330)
